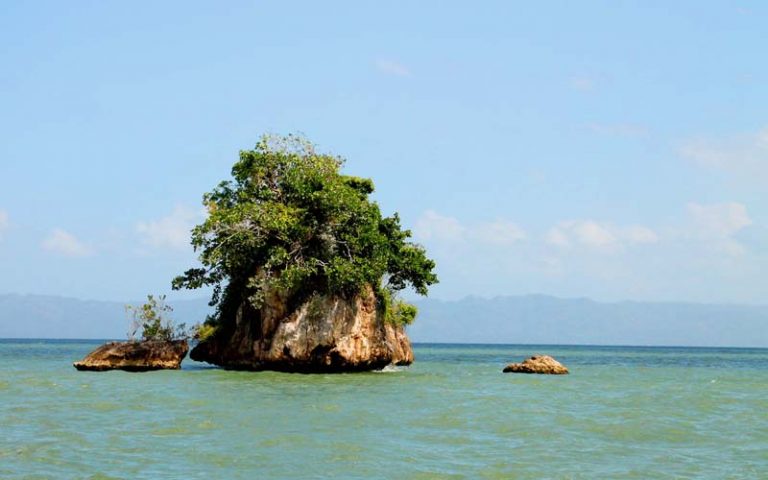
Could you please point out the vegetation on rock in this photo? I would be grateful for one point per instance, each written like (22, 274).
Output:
(290, 222)
(153, 320)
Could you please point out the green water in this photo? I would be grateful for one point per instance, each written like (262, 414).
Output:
(623, 413)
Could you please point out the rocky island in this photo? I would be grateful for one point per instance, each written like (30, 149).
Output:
(304, 268)
(326, 333)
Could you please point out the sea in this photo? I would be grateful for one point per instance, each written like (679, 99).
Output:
(622, 413)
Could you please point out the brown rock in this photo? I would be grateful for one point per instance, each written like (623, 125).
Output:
(325, 333)
(136, 356)
(538, 364)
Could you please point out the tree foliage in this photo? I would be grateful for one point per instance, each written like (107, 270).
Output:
(153, 320)
(289, 220)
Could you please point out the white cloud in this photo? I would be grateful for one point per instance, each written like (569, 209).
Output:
(557, 237)
(715, 225)
(64, 243)
(639, 234)
(710, 230)
(721, 219)
(171, 231)
(593, 234)
(744, 155)
(391, 67)
(3, 222)
(433, 226)
(597, 235)
(499, 232)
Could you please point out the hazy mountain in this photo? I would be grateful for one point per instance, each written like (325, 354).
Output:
(534, 319)
(538, 319)
(42, 316)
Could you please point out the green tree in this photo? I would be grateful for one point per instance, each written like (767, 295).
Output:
(290, 221)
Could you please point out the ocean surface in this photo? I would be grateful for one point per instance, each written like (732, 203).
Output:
(624, 412)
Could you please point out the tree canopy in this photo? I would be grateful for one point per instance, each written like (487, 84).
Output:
(289, 220)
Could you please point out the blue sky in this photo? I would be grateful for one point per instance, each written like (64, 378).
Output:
(615, 150)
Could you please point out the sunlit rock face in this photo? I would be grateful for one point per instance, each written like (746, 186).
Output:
(136, 356)
(325, 333)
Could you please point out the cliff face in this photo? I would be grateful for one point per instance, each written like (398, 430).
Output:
(323, 334)
(136, 356)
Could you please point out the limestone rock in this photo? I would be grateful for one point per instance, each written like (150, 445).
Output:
(325, 333)
(538, 364)
(136, 356)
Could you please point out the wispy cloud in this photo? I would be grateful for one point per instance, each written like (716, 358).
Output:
(723, 219)
(171, 231)
(583, 83)
(61, 242)
(598, 235)
(745, 155)
(391, 67)
(499, 232)
(716, 224)
(433, 226)
(637, 234)
(712, 240)
(603, 236)
(4, 223)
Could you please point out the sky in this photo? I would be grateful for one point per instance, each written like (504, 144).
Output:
(605, 149)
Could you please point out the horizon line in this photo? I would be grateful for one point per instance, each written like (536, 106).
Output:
(422, 298)
(480, 344)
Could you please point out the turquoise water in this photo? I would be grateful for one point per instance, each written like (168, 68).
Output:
(623, 413)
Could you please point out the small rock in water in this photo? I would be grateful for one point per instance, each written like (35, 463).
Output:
(538, 364)
(136, 356)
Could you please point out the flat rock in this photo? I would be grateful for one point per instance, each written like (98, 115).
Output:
(543, 364)
(136, 356)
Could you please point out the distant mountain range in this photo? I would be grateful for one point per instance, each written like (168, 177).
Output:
(532, 319)
(539, 319)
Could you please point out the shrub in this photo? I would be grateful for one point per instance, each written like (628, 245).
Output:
(153, 320)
